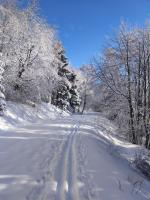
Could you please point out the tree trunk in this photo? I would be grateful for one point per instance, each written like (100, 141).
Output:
(131, 121)
(84, 103)
(131, 111)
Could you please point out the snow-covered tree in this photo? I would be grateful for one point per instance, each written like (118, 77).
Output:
(87, 87)
(123, 73)
(65, 95)
(28, 43)
(2, 96)
(61, 95)
(75, 100)
(36, 68)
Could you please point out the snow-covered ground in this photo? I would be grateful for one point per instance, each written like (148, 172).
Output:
(49, 155)
(17, 114)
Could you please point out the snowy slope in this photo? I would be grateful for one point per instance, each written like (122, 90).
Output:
(17, 114)
(67, 158)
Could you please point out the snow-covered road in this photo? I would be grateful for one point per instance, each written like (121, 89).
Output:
(68, 158)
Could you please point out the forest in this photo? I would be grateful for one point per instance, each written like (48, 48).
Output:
(68, 131)
(35, 68)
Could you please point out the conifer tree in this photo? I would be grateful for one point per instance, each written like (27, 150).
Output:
(61, 95)
(65, 95)
(75, 99)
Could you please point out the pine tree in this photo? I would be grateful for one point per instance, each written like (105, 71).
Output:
(61, 94)
(2, 96)
(75, 99)
(65, 96)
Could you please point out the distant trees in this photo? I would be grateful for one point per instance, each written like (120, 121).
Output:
(124, 72)
(87, 87)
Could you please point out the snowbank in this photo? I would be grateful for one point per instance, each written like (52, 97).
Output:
(137, 156)
(17, 114)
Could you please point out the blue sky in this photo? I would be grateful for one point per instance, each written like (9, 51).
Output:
(83, 25)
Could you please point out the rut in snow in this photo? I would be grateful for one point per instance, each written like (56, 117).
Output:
(66, 171)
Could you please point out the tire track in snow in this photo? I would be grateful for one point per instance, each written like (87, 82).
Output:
(66, 173)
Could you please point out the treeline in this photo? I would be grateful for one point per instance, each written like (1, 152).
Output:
(123, 82)
(31, 58)
(34, 69)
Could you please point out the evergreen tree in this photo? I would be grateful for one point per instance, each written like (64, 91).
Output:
(75, 99)
(61, 95)
(65, 95)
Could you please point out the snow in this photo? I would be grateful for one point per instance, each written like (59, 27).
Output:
(17, 114)
(46, 154)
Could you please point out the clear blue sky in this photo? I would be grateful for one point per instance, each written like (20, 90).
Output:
(84, 24)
